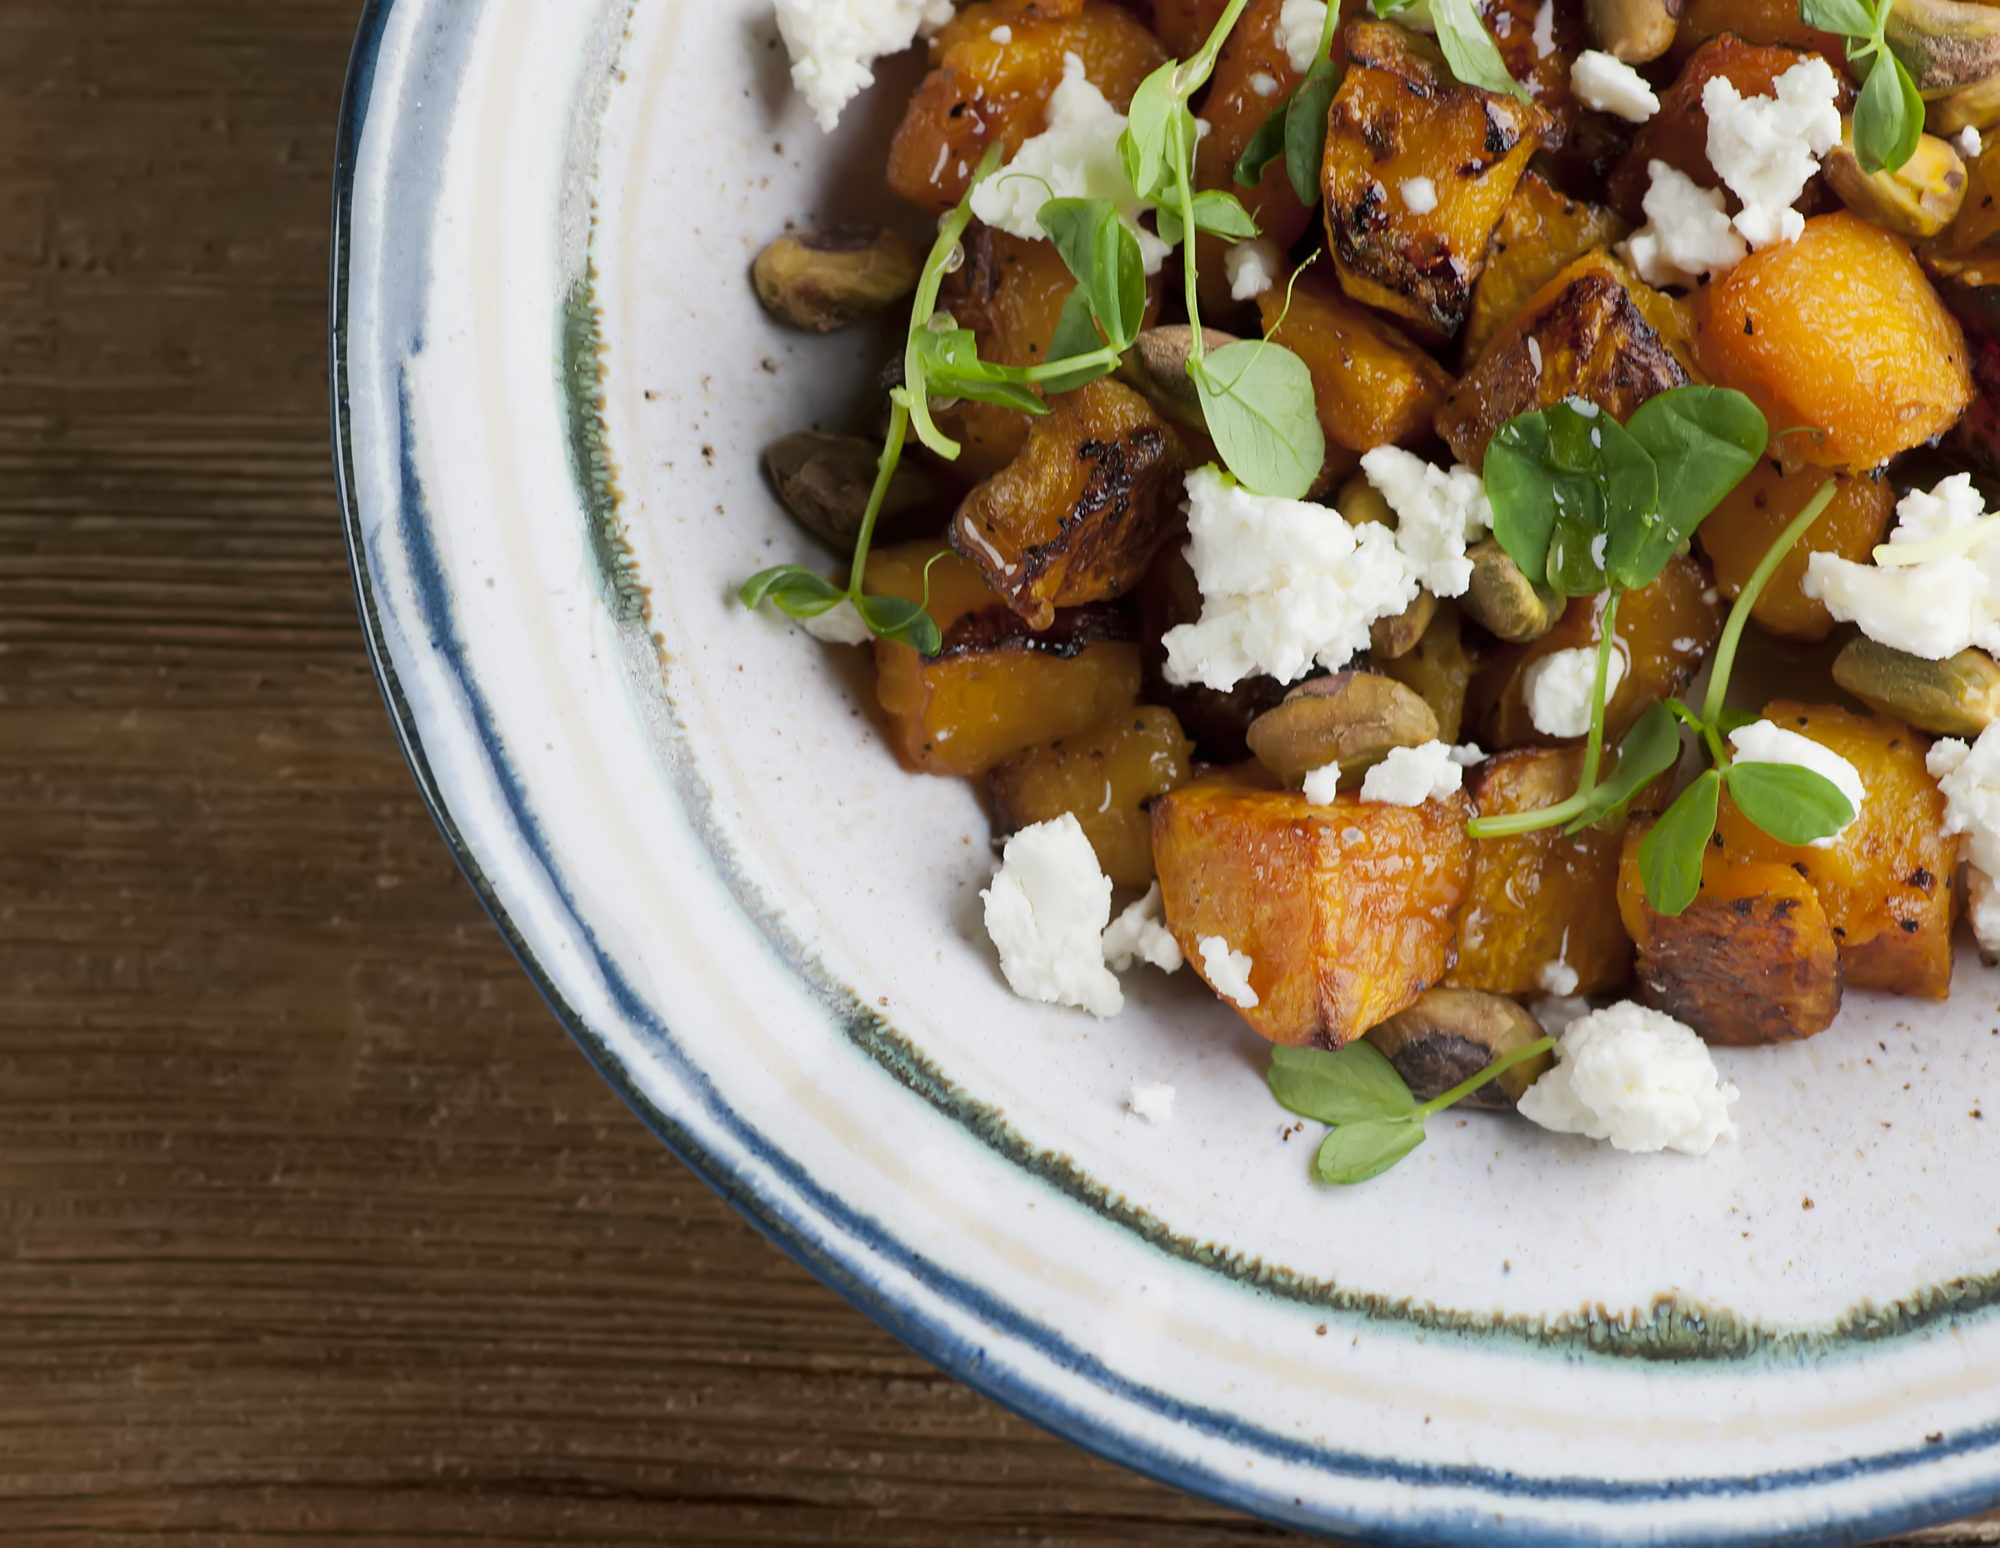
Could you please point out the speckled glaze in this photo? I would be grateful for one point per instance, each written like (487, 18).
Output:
(551, 383)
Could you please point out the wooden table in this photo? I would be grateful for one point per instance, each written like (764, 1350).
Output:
(315, 1225)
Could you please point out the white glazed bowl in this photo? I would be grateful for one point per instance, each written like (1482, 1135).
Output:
(552, 383)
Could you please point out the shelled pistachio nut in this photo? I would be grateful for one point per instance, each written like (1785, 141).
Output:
(1976, 107)
(1959, 696)
(1946, 45)
(1156, 368)
(1503, 601)
(1389, 638)
(1633, 31)
(1450, 1035)
(1354, 719)
(829, 279)
(1361, 504)
(825, 481)
(1917, 200)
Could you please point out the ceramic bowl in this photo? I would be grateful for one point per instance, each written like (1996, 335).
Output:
(552, 385)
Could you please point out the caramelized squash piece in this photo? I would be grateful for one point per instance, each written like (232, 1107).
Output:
(1839, 330)
(1585, 334)
(1754, 22)
(1437, 668)
(1678, 133)
(1183, 25)
(1664, 632)
(1372, 385)
(1106, 778)
(1400, 116)
(995, 687)
(1345, 911)
(1540, 902)
(1541, 234)
(1523, 29)
(1740, 531)
(1078, 516)
(1753, 959)
(1886, 883)
(980, 91)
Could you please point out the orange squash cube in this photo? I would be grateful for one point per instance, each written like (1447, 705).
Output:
(1739, 532)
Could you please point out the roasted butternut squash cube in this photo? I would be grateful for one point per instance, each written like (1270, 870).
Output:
(1542, 233)
(1752, 960)
(1372, 385)
(1538, 43)
(1752, 22)
(1886, 883)
(1543, 914)
(1585, 334)
(1678, 133)
(1107, 779)
(1078, 516)
(1842, 331)
(1345, 911)
(1739, 532)
(1183, 25)
(981, 90)
(1664, 632)
(1402, 120)
(996, 686)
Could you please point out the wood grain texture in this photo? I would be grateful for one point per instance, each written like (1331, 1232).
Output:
(313, 1226)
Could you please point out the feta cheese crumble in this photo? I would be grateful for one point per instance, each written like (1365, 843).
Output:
(1933, 609)
(1420, 195)
(1558, 978)
(1003, 35)
(1969, 779)
(1140, 934)
(1970, 142)
(1687, 232)
(1437, 514)
(1323, 785)
(840, 624)
(1611, 86)
(1410, 776)
(1283, 584)
(1046, 912)
(834, 44)
(1763, 742)
(1300, 22)
(1545, 30)
(1636, 1077)
(1154, 1103)
(1264, 85)
(1075, 157)
(1252, 268)
(1560, 688)
(1227, 972)
(1766, 149)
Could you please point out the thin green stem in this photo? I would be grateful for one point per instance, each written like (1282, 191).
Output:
(1739, 616)
(1593, 753)
(1509, 824)
(1492, 1072)
(929, 283)
(1106, 356)
(885, 471)
(1192, 75)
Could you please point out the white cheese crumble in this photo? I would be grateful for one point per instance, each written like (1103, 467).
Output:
(1636, 1077)
(1140, 934)
(1154, 1103)
(1227, 972)
(1300, 22)
(1611, 86)
(1283, 584)
(1559, 1015)
(1933, 609)
(1437, 514)
(1252, 268)
(1003, 35)
(1558, 978)
(1766, 149)
(1970, 142)
(1420, 195)
(1467, 755)
(1560, 686)
(1687, 232)
(1075, 157)
(1545, 30)
(1763, 742)
(1969, 780)
(1323, 785)
(1410, 776)
(1262, 84)
(835, 43)
(1046, 911)
(840, 624)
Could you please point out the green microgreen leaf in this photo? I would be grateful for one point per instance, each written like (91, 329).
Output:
(1793, 805)
(1565, 483)
(1222, 214)
(1355, 1152)
(1650, 748)
(1146, 146)
(1470, 50)
(1265, 146)
(1384, 9)
(1103, 254)
(1670, 856)
(1352, 1084)
(905, 622)
(1702, 441)
(1888, 117)
(953, 369)
(1849, 17)
(793, 589)
(1257, 398)
(1076, 340)
(1306, 118)
(1734, 720)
